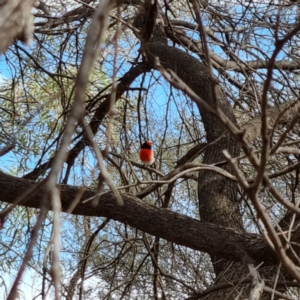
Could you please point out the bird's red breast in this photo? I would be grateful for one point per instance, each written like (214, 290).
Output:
(146, 153)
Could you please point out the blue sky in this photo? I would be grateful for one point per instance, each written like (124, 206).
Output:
(159, 94)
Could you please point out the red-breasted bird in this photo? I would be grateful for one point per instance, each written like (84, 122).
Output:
(146, 153)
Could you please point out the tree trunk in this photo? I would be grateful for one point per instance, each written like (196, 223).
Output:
(218, 203)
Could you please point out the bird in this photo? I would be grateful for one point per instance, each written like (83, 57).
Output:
(146, 153)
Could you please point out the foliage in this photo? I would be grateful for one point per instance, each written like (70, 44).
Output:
(105, 258)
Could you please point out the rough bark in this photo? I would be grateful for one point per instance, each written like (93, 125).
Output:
(16, 22)
(218, 203)
(282, 114)
(160, 222)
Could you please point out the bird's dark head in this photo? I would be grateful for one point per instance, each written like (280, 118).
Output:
(147, 145)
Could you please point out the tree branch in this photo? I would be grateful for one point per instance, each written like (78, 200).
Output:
(174, 227)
